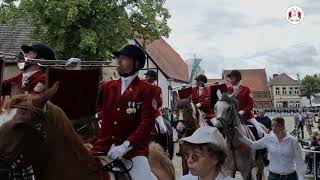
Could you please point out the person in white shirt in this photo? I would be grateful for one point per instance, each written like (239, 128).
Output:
(205, 152)
(284, 152)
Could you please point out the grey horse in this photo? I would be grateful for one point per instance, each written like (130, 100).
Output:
(240, 157)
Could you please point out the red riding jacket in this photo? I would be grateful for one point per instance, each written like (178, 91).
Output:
(204, 100)
(118, 124)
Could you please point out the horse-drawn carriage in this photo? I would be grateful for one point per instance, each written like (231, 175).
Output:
(76, 96)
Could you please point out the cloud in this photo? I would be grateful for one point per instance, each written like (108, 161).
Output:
(230, 34)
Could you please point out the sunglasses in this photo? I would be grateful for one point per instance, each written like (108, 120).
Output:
(194, 156)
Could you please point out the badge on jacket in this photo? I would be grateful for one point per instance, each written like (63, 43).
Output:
(133, 107)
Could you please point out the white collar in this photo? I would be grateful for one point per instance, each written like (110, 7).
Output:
(29, 73)
(237, 86)
(128, 79)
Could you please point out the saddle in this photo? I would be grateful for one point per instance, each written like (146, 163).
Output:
(113, 170)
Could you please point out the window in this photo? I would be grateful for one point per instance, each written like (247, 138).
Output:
(284, 91)
(291, 104)
(297, 104)
(291, 91)
(296, 91)
(277, 91)
(279, 104)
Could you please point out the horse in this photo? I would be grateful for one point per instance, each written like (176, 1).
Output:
(165, 140)
(38, 133)
(239, 156)
(190, 118)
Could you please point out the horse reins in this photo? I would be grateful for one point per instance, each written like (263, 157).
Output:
(229, 127)
(16, 170)
(114, 164)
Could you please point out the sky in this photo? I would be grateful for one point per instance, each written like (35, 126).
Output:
(246, 34)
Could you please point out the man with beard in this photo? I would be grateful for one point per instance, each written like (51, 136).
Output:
(128, 113)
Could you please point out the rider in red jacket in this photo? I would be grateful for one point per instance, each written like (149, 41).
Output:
(201, 97)
(128, 108)
(245, 98)
(32, 77)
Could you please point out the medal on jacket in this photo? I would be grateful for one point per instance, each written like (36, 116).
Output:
(131, 108)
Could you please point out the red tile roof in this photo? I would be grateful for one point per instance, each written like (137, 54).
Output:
(283, 80)
(255, 79)
(168, 60)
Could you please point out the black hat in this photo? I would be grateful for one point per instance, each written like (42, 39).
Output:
(134, 52)
(202, 78)
(151, 73)
(235, 73)
(43, 51)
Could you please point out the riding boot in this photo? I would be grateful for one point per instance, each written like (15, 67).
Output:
(163, 141)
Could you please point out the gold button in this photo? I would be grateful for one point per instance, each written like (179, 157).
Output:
(115, 123)
(118, 109)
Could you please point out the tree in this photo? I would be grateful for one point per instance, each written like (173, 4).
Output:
(89, 29)
(310, 86)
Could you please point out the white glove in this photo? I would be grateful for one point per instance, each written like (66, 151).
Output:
(162, 126)
(312, 148)
(241, 113)
(180, 126)
(118, 151)
(198, 105)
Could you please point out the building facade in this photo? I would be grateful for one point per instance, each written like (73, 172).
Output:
(285, 91)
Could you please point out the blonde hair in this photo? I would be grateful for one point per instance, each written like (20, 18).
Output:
(315, 133)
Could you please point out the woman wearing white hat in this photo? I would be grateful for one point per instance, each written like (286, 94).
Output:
(205, 153)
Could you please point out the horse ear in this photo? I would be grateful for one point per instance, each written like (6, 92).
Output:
(42, 98)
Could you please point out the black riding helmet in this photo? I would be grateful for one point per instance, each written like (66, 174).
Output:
(236, 74)
(152, 74)
(43, 51)
(134, 52)
(201, 78)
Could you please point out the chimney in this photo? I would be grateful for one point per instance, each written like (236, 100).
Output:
(275, 75)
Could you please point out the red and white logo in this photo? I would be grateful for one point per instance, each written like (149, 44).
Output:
(294, 15)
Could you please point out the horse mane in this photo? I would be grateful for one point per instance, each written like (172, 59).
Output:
(157, 155)
(56, 118)
(192, 120)
(230, 100)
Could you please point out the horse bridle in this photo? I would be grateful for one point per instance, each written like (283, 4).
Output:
(229, 127)
(186, 127)
(16, 167)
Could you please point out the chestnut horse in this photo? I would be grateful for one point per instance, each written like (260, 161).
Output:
(37, 132)
(190, 118)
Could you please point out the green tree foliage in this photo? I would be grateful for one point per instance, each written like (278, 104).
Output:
(310, 85)
(89, 29)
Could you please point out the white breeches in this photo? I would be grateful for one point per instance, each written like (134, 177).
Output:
(162, 126)
(141, 169)
(258, 127)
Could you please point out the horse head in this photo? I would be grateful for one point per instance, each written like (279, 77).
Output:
(188, 115)
(226, 110)
(21, 128)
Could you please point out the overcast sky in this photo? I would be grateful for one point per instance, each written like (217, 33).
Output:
(246, 34)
